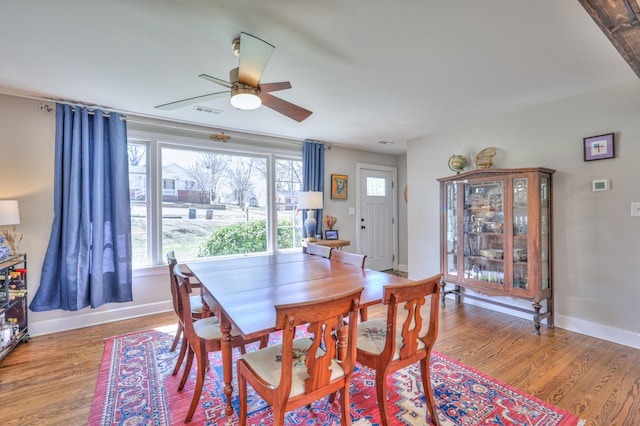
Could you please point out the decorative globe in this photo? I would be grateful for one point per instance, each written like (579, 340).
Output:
(457, 163)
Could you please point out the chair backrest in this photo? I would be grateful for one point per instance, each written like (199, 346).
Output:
(349, 258)
(173, 262)
(182, 286)
(322, 317)
(318, 250)
(412, 297)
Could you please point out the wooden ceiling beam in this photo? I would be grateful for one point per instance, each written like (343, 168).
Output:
(620, 21)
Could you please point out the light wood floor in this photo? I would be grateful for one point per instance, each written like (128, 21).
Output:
(51, 380)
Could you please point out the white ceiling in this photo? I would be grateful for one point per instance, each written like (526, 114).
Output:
(369, 70)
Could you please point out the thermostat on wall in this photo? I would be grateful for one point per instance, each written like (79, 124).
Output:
(600, 185)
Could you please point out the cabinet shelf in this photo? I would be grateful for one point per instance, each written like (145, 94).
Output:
(503, 211)
(13, 300)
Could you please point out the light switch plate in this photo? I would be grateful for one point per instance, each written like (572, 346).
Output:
(352, 210)
(635, 209)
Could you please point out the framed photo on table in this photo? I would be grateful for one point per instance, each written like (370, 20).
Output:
(339, 187)
(599, 147)
(331, 234)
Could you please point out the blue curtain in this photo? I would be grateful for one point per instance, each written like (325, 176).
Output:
(88, 260)
(313, 176)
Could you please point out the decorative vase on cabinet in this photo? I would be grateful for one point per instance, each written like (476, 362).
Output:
(496, 237)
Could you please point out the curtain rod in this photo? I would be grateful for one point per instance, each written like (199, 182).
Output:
(164, 122)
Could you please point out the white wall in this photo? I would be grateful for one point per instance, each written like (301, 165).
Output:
(595, 242)
(403, 256)
(343, 161)
(27, 148)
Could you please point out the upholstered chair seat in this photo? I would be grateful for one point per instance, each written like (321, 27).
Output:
(372, 336)
(267, 363)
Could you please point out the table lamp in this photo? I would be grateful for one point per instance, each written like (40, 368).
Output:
(310, 201)
(9, 215)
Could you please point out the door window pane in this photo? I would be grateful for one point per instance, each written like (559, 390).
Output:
(376, 187)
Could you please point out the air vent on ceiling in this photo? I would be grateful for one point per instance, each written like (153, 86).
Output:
(386, 142)
(207, 109)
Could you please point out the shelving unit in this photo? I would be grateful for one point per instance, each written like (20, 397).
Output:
(496, 237)
(13, 300)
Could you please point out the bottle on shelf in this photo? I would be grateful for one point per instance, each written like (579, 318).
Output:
(6, 334)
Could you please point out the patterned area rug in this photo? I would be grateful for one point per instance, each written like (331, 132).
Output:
(135, 387)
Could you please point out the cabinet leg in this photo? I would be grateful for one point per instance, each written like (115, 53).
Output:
(443, 293)
(536, 317)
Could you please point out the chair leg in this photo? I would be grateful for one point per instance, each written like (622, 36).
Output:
(345, 410)
(428, 391)
(381, 389)
(364, 315)
(197, 391)
(187, 369)
(278, 416)
(183, 350)
(264, 341)
(242, 394)
(179, 332)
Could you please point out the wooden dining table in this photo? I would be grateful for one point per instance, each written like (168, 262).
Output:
(243, 292)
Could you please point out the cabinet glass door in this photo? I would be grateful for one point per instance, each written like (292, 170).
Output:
(520, 232)
(544, 232)
(483, 223)
(452, 228)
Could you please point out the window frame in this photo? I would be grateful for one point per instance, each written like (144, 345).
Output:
(155, 141)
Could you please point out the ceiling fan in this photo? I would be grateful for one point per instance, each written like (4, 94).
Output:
(244, 82)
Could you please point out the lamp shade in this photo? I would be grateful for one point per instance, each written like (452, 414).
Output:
(310, 200)
(9, 212)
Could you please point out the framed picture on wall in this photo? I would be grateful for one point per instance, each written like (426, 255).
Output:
(599, 147)
(339, 187)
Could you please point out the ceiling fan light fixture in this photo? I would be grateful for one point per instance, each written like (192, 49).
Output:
(245, 98)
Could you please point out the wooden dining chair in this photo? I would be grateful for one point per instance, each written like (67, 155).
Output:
(202, 336)
(399, 341)
(299, 371)
(351, 259)
(348, 258)
(196, 307)
(318, 250)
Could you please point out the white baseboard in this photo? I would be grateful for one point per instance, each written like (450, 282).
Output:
(92, 317)
(39, 328)
(403, 268)
(599, 331)
(604, 332)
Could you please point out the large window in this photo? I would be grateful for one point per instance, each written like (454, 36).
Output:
(288, 184)
(138, 190)
(207, 203)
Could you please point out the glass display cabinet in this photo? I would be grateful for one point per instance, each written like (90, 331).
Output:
(496, 237)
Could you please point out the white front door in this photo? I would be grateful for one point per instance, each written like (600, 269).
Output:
(376, 212)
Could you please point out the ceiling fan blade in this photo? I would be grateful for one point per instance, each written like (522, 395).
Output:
(191, 101)
(216, 80)
(254, 56)
(284, 107)
(272, 87)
